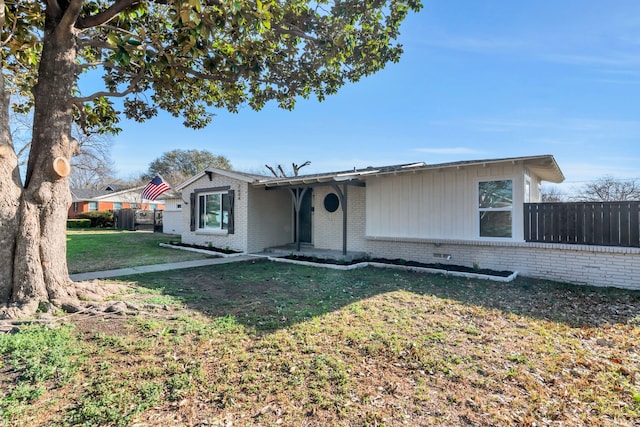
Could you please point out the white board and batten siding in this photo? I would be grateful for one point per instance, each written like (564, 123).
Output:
(172, 222)
(439, 203)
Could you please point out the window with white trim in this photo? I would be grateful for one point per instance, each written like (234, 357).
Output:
(495, 208)
(213, 211)
(93, 206)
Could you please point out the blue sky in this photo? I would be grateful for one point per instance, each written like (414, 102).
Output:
(478, 79)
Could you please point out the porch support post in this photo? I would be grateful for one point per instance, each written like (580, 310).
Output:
(342, 196)
(297, 195)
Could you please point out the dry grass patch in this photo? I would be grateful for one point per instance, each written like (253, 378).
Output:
(258, 344)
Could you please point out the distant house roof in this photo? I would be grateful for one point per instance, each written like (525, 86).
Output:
(82, 194)
(88, 195)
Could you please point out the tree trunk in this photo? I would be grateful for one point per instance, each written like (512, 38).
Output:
(10, 189)
(38, 277)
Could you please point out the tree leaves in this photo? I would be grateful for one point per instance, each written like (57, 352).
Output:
(179, 165)
(188, 56)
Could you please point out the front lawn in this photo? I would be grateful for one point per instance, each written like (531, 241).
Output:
(258, 344)
(98, 250)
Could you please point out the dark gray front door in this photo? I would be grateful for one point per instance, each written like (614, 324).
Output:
(305, 217)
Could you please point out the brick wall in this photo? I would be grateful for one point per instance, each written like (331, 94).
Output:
(327, 226)
(220, 239)
(577, 264)
(270, 218)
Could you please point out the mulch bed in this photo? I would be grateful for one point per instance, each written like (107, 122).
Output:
(206, 248)
(398, 261)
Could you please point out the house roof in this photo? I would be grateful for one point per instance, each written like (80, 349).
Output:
(83, 194)
(240, 176)
(544, 166)
(169, 194)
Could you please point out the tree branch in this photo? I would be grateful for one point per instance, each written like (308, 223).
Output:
(70, 16)
(205, 76)
(86, 65)
(53, 9)
(296, 168)
(132, 86)
(272, 170)
(294, 31)
(106, 15)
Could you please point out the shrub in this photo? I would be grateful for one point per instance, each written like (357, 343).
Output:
(78, 223)
(100, 219)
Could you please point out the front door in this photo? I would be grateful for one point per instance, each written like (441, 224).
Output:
(305, 217)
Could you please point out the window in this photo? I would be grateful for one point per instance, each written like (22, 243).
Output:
(213, 211)
(93, 206)
(331, 202)
(495, 208)
(117, 205)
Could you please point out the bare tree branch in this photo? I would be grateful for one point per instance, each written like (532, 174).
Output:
(296, 168)
(279, 172)
(610, 189)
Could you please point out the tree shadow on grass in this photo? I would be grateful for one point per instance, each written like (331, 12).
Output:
(268, 296)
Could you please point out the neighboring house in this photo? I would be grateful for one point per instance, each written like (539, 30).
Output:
(468, 213)
(109, 199)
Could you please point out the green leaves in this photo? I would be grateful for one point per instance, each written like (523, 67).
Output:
(188, 56)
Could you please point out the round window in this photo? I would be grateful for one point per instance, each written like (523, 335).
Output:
(331, 202)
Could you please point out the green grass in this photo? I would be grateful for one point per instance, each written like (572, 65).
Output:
(273, 344)
(97, 250)
(35, 359)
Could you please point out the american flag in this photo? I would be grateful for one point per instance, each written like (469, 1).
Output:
(156, 187)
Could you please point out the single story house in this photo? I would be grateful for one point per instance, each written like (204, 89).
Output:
(467, 213)
(108, 199)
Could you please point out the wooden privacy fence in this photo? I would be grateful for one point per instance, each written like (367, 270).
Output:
(583, 223)
(136, 219)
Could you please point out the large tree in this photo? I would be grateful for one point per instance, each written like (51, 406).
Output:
(186, 57)
(92, 164)
(179, 165)
(609, 189)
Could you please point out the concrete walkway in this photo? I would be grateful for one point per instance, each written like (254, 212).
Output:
(79, 277)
